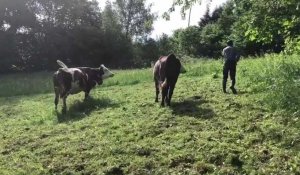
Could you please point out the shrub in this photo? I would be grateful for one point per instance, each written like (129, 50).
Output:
(279, 75)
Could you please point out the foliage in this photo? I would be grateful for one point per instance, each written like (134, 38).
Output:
(278, 75)
(164, 45)
(257, 27)
(35, 33)
(268, 19)
(185, 5)
(136, 19)
(292, 46)
(145, 52)
(210, 18)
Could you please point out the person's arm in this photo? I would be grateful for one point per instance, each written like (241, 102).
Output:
(223, 55)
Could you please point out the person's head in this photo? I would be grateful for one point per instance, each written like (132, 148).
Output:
(229, 43)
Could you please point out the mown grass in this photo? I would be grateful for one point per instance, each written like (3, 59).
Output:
(120, 130)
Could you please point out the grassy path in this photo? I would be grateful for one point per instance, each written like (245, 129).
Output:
(120, 130)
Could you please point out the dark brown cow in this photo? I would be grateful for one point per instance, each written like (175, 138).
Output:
(74, 80)
(166, 71)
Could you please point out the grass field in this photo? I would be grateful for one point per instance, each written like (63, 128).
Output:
(120, 130)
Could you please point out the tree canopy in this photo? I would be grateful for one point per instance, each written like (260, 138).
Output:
(35, 33)
(256, 26)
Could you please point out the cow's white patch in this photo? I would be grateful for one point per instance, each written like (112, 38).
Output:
(107, 73)
(75, 87)
(72, 71)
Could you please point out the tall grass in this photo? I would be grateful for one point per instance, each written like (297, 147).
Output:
(129, 77)
(204, 67)
(25, 84)
(41, 82)
(278, 76)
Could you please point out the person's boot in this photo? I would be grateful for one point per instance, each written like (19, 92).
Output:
(233, 90)
(224, 86)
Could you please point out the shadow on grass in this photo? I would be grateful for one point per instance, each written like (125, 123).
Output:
(241, 92)
(192, 107)
(82, 108)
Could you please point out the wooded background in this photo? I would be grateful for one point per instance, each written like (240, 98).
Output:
(35, 33)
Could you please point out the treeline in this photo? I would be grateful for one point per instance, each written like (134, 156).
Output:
(257, 27)
(35, 33)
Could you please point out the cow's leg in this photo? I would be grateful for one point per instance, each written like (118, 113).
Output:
(170, 93)
(64, 109)
(171, 89)
(56, 89)
(64, 96)
(157, 90)
(85, 85)
(86, 94)
(164, 93)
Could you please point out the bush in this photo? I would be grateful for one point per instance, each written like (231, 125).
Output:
(292, 46)
(279, 75)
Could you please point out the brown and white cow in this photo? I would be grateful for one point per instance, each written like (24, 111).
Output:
(74, 80)
(166, 71)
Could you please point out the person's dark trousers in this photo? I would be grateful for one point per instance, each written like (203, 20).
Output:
(229, 68)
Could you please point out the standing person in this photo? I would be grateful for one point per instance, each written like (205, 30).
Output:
(231, 57)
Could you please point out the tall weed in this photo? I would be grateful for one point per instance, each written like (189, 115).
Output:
(278, 75)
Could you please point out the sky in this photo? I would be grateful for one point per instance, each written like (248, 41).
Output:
(162, 26)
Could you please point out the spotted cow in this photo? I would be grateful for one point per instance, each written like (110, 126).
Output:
(74, 80)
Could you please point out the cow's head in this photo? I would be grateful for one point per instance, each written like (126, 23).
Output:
(106, 73)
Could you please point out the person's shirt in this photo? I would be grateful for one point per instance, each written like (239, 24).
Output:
(230, 54)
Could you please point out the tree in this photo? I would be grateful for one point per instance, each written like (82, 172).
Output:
(185, 5)
(114, 38)
(256, 25)
(135, 18)
(68, 29)
(164, 45)
(145, 52)
(16, 24)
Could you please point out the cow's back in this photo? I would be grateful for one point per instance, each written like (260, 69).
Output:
(159, 68)
(166, 66)
(62, 77)
(173, 65)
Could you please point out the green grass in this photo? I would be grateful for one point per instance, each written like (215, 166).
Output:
(120, 130)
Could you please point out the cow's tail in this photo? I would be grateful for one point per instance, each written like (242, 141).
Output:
(164, 84)
(61, 64)
(173, 67)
